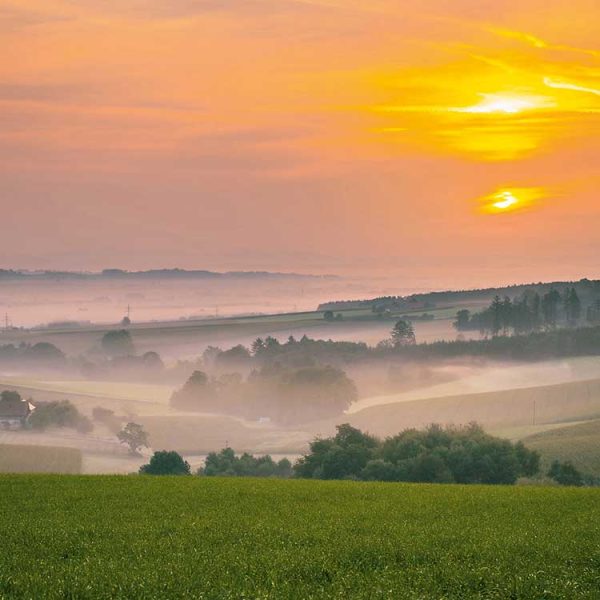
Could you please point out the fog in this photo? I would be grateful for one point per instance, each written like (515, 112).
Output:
(476, 378)
(275, 402)
(36, 301)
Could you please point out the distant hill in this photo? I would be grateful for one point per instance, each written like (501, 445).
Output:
(585, 288)
(7, 274)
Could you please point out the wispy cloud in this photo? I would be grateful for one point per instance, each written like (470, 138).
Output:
(537, 42)
(564, 85)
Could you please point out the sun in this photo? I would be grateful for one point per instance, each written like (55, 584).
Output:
(508, 200)
(506, 104)
(505, 200)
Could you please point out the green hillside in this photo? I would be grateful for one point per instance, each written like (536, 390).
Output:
(579, 443)
(190, 537)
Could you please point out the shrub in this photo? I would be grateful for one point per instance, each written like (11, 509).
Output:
(565, 473)
(164, 462)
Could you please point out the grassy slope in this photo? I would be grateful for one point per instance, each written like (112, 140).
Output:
(579, 443)
(39, 459)
(578, 400)
(134, 537)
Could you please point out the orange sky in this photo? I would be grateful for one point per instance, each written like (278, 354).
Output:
(308, 135)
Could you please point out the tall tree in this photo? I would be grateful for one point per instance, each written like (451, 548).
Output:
(403, 334)
(550, 303)
(572, 306)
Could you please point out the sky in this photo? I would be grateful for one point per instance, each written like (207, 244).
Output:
(447, 142)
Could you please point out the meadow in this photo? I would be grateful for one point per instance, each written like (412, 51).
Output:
(577, 442)
(144, 537)
(17, 458)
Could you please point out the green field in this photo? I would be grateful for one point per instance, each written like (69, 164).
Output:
(20, 458)
(143, 537)
(578, 443)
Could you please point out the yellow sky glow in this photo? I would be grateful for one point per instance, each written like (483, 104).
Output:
(222, 128)
(506, 200)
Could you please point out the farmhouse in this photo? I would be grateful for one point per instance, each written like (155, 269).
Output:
(14, 411)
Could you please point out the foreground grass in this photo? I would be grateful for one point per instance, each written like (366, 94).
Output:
(144, 537)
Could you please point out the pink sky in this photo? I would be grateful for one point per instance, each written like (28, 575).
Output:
(317, 136)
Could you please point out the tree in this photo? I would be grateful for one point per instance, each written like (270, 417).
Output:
(118, 343)
(496, 309)
(45, 354)
(257, 347)
(572, 307)
(549, 304)
(565, 473)
(236, 357)
(59, 414)
(271, 343)
(196, 394)
(10, 397)
(209, 356)
(343, 456)
(463, 318)
(403, 334)
(134, 436)
(153, 362)
(164, 462)
(308, 393)
(227, 464)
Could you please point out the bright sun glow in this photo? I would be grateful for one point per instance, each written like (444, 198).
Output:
(511, 199)
(508, 200)
(506, 104)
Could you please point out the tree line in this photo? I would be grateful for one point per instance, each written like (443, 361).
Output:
(465, 455)
(528, 312)
(402, 344)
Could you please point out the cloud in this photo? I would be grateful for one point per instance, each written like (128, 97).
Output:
(537, 42)
(563, 85)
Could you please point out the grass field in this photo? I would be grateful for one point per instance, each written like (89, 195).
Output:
(578, 400)
(141, 537)
(578, 443)
(16, 458)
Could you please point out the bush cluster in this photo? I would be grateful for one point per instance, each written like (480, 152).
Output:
(435, 455)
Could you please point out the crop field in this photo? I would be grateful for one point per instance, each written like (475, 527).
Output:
(17, 458)
(144, 537)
